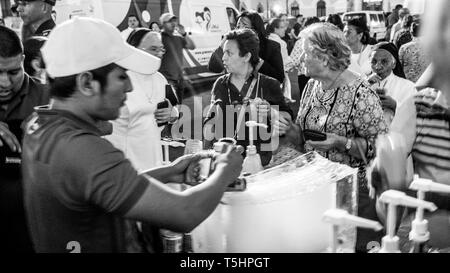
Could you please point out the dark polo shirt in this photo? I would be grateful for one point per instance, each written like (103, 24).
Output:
(19, 108)
(13, 230)
(172, 60)
(77, 185)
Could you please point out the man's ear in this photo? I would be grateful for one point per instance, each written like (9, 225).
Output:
(87, 85)
(45, 7)
(248, 56)
(36, 65)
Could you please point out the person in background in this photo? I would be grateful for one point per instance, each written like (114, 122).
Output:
(136, 131)
(36, 16)
(175, 39)
(412, 55)
(388, 79)
(16, 21)
(276, 30)
(404, 36)
(287, 33)
(33, 63)
(242, 87)
(19, 94)
(391, 20)
(133, 23)
(154, 26)
(341, 104)
(271, 61)
(296, 58)
(358, 38)
(298, 26)
(402, 13)
(336, 20)
(89, 186)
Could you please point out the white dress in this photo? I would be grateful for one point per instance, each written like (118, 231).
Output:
(398, 88)
(136, 132)
(360, 63)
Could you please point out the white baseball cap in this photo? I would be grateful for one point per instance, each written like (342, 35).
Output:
(166, 17)
(82, 44)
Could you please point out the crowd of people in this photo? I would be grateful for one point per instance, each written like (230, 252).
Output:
(83, 107)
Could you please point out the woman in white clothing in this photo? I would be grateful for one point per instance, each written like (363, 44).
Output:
(136, 131)
(277, 30)
(388, 78)
(358, 36)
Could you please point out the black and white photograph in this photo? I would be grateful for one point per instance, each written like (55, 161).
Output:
(241, 129)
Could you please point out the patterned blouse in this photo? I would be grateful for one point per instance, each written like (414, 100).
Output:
(414, 60)
(295, 57)
(353, 111)
(402, 37)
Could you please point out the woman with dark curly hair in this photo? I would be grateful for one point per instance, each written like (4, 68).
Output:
(336, 20)
(270, 60)
(244, 88)
(358, 38)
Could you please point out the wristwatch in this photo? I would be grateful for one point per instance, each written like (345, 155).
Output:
(348, 145)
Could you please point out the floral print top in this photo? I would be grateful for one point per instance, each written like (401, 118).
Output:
(353, 111)
(414, 60)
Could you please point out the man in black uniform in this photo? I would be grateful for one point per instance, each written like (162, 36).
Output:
(36, 16)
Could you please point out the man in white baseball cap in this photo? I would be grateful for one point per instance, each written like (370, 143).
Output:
(175, 39)
(79, 189)
(166, 17)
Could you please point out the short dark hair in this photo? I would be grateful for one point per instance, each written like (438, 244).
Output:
(153, 23)
(64, 87)
(311, 20)
(32, 50)
(10, 44)
(299, 16)
(136, 36)
(247, 42)
(133, 15)
(399, 6)
(273, 24)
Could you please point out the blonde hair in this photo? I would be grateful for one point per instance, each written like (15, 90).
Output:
(328, 43)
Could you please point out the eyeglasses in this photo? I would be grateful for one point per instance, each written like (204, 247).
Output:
(155, 49)
(22, 3)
